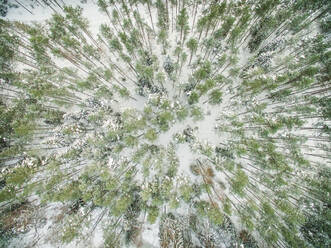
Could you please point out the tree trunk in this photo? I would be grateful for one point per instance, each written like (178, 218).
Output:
(150, 15)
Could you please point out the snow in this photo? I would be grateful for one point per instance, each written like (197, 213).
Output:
(41, 230)
(39, 13)
(150, 235)
(204, 130)
(186, 157)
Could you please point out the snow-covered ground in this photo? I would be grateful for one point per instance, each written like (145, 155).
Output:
(204, 130)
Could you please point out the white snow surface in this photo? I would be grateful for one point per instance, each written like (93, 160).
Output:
(204, 129)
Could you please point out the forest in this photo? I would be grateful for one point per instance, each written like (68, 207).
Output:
(165, 123)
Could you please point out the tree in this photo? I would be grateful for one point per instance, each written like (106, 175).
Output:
(162, 38)
(192, 45)
(151, 135)
(8, 46)
(91, 122)
(215, 97)
(148, 2)
(182, 24)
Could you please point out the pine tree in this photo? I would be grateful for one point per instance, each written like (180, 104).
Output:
(128, 135)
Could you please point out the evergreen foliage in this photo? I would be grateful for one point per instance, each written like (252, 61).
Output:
(188, 123)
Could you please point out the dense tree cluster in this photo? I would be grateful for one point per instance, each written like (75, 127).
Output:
(103, 124)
